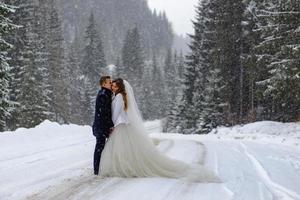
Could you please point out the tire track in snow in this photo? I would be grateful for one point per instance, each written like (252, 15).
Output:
(277, 190)
(41, 152)
(202, 152)
(83, 187)
(213, 163)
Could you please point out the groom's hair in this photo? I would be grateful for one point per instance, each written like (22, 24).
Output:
(103, 79)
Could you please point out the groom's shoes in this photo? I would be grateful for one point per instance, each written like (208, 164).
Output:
(96, 173)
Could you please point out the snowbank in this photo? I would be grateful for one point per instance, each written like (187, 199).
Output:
(264, 131)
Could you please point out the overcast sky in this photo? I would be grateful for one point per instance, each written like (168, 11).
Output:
(179, 12)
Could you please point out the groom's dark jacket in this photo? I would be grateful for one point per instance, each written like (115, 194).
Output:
(103, 120)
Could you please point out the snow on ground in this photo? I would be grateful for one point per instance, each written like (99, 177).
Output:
(263, 132)
(259, 161)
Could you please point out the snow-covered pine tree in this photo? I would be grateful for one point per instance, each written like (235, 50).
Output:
(87, 96)
(187, 118)
(252, 70)
(157, 95)
(280, 51)
(203, 45)
(92, 65)
(51, 31)
(75, 85)
(133, 61)
(145, 97)
(116, 17)
(93, 62)
(15, 54)
(173, 115)
(187, 112)
(79, 89)
(171, 78)
(213, 74)
(179, 62)
(173, 67)
(33, 97)
(211, 103)
(46, 27)
(162, 33)
(228, 50)
(207, 97)
(6, 25)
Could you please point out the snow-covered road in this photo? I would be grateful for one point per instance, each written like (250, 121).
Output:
(256, 171)
(55, 162)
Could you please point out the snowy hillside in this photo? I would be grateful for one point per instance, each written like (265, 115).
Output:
(51, 161)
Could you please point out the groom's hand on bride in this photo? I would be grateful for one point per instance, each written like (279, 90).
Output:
(111, 130)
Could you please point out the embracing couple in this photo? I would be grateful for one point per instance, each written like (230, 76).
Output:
(123, 148)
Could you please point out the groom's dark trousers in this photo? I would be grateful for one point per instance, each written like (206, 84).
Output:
(102, 124)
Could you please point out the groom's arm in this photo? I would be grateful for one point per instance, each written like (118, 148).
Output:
(105, 120)
(96, 124)
(108, 114)
(99, 128)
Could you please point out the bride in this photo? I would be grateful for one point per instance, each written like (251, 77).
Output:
(129, 152)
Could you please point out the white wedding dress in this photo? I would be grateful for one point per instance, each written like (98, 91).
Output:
(129, 152)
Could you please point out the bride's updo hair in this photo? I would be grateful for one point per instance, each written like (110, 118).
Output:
(120, 83)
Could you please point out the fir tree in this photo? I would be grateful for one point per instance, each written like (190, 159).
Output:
(210, 95)
(133, 61)
(157, 95)
(93, 62)
(38, 54)
(203, 48)
(228, 52)
(173, 70)
(147, 90)
(213, 73)
(6, 26)
(212, 105)
(92, 66)
(59, 97)
(75, 86)
(279, 29)
(51, 31)
(171, 77)
(187, 107)
(252, 70)
(87, 102)
(16, 38)
(179, 62)
(33, 96)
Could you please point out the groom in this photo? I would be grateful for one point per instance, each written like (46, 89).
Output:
(103, 124)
